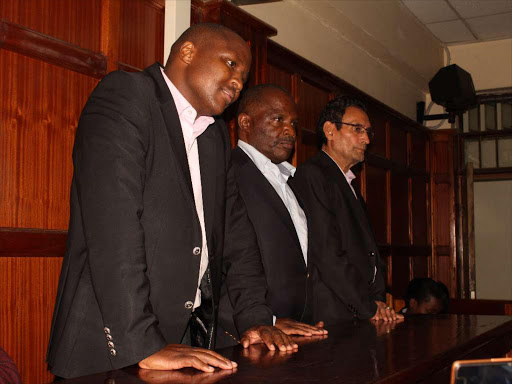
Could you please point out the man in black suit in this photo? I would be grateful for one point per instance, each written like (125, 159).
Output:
(350, 279)
(153, 200)
(267, 122)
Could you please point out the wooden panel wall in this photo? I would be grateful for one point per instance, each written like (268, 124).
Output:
(443, 206)
(52, 54)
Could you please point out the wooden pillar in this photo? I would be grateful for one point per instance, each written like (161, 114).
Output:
(444, 256)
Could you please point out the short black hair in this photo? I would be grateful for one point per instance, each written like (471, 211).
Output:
(200, 34)
(334, 111)
(252, 96)
(422, 289)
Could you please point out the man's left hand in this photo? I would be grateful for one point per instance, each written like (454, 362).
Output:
(386, 313)
(269, 335)
(292, 327)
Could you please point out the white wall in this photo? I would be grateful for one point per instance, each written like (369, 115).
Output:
(493, 239)
(490, 63)
(377, 46)
(177, 20)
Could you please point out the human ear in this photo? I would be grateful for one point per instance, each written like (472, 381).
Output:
(413, 305)
(244, 123)
(329, 130)
(187, 51)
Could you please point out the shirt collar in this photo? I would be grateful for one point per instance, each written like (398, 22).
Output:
(282, 170)
(186, 111)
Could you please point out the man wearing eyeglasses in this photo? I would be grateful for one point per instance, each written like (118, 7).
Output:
(350, 279)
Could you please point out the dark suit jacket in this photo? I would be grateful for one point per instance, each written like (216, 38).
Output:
(342, 241)
(132, 259)
(281, 254)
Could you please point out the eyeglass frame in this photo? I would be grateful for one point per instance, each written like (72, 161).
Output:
(358, 129)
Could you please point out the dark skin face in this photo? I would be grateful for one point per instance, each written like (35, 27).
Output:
(344, 146)
(427, 307)
(270, 126)
(210, 75)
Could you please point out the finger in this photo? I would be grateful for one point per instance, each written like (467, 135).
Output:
(245, 341)
(321, 325)
(276, 337)
(305, 330)
(214, 359)
(288, 343)
(268, 339)
(316, 330)
(193, 362)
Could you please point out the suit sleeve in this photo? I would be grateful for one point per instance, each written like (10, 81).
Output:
(109, 162)
(243, 270)
(334, 267)
(378, 288)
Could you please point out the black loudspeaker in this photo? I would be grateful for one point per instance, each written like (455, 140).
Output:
(452, 87)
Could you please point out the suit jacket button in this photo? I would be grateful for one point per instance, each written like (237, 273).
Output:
(110, 344)
(307, 275)
(196, 251)
(107, 330)
(113, 352)
(189, 305)
(109, 336)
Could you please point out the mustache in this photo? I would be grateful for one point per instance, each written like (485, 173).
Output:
(288, 139)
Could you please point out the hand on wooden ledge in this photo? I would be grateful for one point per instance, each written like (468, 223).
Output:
(177, 356)
(292, 327)
(270, 336)
(386, 313)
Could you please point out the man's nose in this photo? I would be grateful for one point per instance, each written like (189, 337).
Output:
(237, 82)
(365, 138)
(289, 130)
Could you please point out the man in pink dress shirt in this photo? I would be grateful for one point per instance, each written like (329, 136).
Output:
(153, 200)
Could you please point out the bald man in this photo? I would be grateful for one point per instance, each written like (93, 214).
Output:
(267, 122)
(153, 201)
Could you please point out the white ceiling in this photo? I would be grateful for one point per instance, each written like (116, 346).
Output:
(464, 21)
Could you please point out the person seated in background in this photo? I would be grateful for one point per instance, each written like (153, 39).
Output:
(425, 296)
(8, 372)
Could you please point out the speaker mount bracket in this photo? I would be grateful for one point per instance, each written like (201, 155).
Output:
(421, 117)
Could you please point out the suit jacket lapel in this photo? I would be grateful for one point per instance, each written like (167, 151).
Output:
(207, 153)
(251, 175)
(355, 205)
(172, 124)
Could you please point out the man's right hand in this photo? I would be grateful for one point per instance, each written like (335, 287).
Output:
(177, 356)
(292, 327)
(270, 336)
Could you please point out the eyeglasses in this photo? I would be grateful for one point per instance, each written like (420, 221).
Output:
(358, 129)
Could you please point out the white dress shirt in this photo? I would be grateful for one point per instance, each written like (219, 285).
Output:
(192, 129)
(277, 175)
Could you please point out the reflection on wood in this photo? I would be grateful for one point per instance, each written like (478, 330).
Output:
(420, 349)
